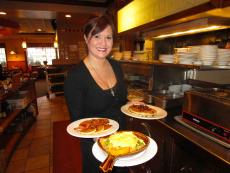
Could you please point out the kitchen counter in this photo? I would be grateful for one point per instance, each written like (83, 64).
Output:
(214, 149)
(180, 148)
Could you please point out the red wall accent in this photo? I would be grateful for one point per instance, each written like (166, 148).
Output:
(17, 64)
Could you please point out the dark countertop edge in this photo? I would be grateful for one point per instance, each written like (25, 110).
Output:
(216, 150)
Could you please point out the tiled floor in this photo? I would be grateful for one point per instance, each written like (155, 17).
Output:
(34, 153)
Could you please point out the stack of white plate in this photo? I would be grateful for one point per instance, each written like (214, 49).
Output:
(127, 55)
(223, 57)
(181, 50)
(194, 49)
(117, 55)
(140, 56)
(186, 58)
(208, 54)
(166, 58)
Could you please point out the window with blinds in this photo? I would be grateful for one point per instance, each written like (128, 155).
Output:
(38, 55)
(3, 56)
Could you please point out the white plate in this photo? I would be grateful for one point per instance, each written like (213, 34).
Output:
(160, 113)
(127, 161)
(71, 131)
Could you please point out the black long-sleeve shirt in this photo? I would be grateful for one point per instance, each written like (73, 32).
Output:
(85, 98)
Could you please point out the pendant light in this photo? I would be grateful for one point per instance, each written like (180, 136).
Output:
(24, 45)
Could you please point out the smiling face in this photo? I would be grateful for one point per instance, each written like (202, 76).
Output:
(100, 44)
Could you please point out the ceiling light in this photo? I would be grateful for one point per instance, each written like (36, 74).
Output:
(191, 31)
(190, 27)
(2, 13)
(68, 16)
(55, 44)
(24, 45)
(12, 52)
(39, 29)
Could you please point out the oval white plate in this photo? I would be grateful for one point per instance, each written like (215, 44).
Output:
(71, 131)
(160, 113)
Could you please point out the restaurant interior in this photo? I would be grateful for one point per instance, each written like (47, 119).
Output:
(175, 57)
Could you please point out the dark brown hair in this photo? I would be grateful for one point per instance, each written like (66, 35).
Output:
(98, 24)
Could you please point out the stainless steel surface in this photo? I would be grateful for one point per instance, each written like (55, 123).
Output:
(220, 76)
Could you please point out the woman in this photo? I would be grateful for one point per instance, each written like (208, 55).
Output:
(95, 87)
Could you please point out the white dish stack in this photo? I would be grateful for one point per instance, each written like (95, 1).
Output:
(140, 56)
(223, 57)
(117, 55)
(127, 55)
(194, 49)
(166, 58)
(208, 54)
(186, 58)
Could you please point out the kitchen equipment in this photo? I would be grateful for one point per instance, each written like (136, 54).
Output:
(165, 99)
(122, 150)
(208, 110)
(174, 88)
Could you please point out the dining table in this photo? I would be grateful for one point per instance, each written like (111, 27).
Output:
(66, 150)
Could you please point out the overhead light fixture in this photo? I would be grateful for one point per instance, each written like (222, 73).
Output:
(191, 31)
(55, 44)
(24, 45)
(68, 16)
(12, 52)
(190, 27)
(2, 13)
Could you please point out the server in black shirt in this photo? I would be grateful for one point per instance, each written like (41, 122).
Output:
(95, 87)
